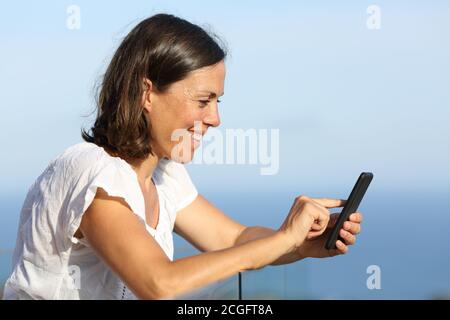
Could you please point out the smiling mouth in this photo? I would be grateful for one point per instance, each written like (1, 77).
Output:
(196, 136)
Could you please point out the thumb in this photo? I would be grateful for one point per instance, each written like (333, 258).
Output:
(316, 226)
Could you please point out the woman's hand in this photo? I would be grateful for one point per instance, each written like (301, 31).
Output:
(315, 248)
(308, 219)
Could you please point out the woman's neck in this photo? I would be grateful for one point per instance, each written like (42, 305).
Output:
(144, 169)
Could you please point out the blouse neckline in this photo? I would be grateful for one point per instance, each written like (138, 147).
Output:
(152, 230)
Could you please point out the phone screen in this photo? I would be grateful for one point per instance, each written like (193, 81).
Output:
(350, 206)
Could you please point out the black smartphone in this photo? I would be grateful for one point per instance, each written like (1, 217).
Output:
(350, 206)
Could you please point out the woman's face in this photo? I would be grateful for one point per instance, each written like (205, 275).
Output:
(188, 102)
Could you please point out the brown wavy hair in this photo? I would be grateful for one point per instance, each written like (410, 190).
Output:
(164, 49)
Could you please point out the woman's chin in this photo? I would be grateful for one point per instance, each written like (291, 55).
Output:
(182, 156)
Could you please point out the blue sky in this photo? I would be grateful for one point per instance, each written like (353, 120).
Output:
(345, 98)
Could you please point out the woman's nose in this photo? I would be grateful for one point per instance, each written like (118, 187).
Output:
(212, 117)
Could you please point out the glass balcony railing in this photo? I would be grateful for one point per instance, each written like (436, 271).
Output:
(280, 282)
(271, 282)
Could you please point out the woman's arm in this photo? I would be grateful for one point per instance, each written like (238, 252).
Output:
(120, 239)
(207, 227)
(256, 232)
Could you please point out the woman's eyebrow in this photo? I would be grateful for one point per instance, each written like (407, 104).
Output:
(210, 94)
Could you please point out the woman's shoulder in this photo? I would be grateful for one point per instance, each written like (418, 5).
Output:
(83, 158)
(85, 166)
(82, 150)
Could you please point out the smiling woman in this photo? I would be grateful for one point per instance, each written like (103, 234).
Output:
(98, 222)
(145, 74)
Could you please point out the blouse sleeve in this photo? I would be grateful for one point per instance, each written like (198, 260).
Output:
(109, 176)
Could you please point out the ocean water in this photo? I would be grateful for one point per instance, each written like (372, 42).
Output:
(407, 235)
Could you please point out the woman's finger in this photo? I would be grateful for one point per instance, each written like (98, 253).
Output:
(330, 203)
(352, 227)
(313, 234)
(356, 217)
(341, 247)
(322, 214)
(324, 219)
(316, 226)
(348, 237)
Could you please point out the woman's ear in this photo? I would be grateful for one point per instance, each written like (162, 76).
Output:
(146, 95)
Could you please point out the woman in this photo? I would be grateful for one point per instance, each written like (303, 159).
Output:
(98, 222)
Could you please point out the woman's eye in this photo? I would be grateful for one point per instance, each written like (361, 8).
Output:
(203, 103)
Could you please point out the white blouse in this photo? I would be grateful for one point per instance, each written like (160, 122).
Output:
(49, 262)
